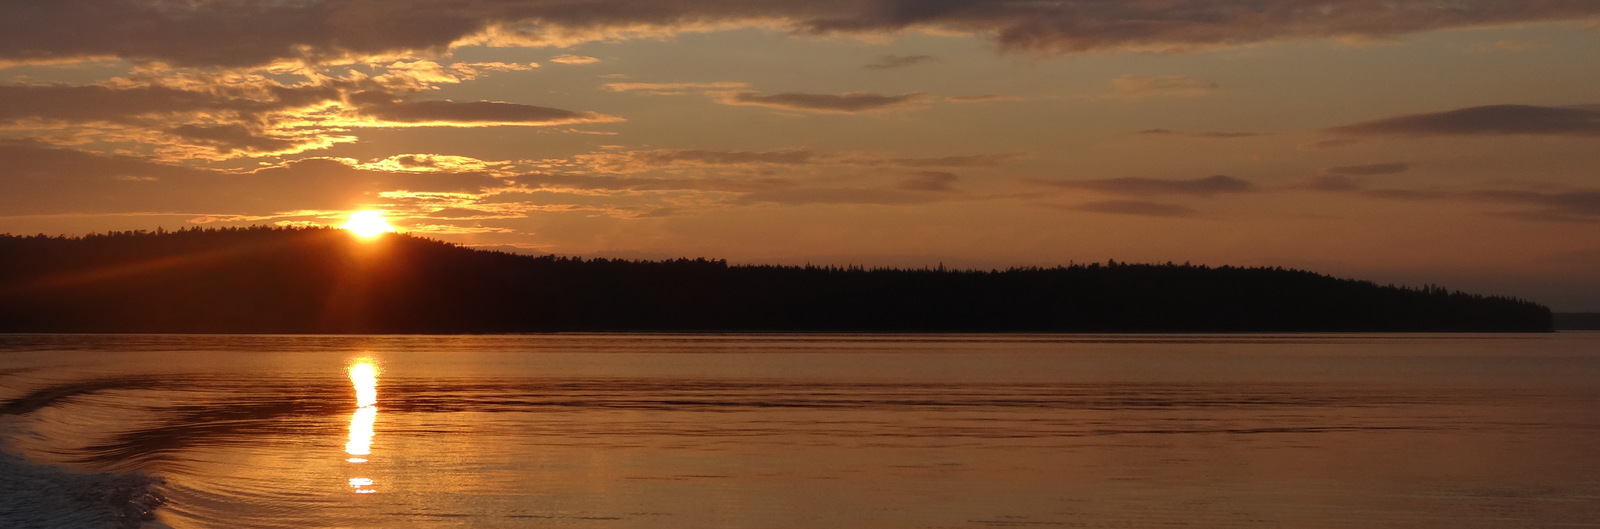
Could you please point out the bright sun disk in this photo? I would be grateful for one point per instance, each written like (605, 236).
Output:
(368, 223)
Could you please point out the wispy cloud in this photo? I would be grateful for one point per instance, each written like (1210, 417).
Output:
(1202, 134)
(47, 180)
(673, 88)
(983, 98)
(1149, 86)
(1485, 121)
(477, 113)
(1369, 169)
(187, 114)
(846, 103)
(869, 196)
(633, 161)
(890, 62)
(1206, 186)
(574, 59)
(1134, 207)
(1567, 205)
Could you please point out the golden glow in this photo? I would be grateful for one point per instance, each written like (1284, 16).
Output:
(368, 223)
(364, 376)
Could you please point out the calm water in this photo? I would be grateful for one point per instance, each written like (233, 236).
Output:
(808, 431)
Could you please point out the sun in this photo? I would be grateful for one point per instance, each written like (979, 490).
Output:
(368, 223)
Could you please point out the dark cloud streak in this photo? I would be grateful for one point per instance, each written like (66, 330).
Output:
(478, 112)
(891, 62)
(848, 103)
(1485, 121)
(1206, 186)
(1369, 170)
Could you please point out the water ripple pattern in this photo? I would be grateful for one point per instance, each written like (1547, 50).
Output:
(800, 431)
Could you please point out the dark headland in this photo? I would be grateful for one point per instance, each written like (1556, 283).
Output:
(316, 280)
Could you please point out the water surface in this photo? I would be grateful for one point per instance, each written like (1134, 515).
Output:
(806, 431)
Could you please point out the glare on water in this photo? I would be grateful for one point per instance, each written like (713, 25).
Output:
(364, 376)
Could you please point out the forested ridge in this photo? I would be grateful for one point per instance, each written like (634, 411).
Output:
(321, 280)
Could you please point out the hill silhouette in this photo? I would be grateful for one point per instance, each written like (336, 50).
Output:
(322, 280)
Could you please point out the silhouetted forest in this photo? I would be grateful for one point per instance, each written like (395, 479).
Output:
(320, 280)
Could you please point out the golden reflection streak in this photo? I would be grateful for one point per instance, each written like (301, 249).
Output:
(364, 376)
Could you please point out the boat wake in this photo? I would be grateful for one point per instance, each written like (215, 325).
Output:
(40, 496)
(46, 497)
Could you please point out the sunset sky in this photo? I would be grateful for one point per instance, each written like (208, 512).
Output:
(1454, 142)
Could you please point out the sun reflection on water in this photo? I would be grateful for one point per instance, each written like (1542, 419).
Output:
(364, 376)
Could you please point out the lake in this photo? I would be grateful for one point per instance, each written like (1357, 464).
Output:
(801, 431)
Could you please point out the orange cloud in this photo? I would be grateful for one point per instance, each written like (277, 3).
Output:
(574, 59)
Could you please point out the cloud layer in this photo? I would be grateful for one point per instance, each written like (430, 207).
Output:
(249, 33)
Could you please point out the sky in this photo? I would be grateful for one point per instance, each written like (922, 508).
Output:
(1446, 142)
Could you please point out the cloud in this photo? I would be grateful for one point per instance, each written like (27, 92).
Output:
(890, 62)
(1564, 205)
(1134, 207)
(574, 59)
(1368, 170)
(477, 113)
(983, 98)
(1148, 86)
(589, 184)
(216, 115)
(45, 180)
(1187, 134)
(638, 161)
(1206, 186)
(430, 163)
(1329, 144)
(938, 181)
(101, 103)
(214, 122)
(1579, 205)
(1485, 121)
(229, 138)
(673, 88)
(236, 33)
(646, 160)
(421, 73)
(847, 103)
(804, 196)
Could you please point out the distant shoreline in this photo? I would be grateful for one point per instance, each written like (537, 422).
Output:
(1576, 321)
(324, 281)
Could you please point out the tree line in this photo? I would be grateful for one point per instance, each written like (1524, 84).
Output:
(322, 280)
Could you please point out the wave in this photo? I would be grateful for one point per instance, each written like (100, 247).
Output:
(39, 496)
(47, 497)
